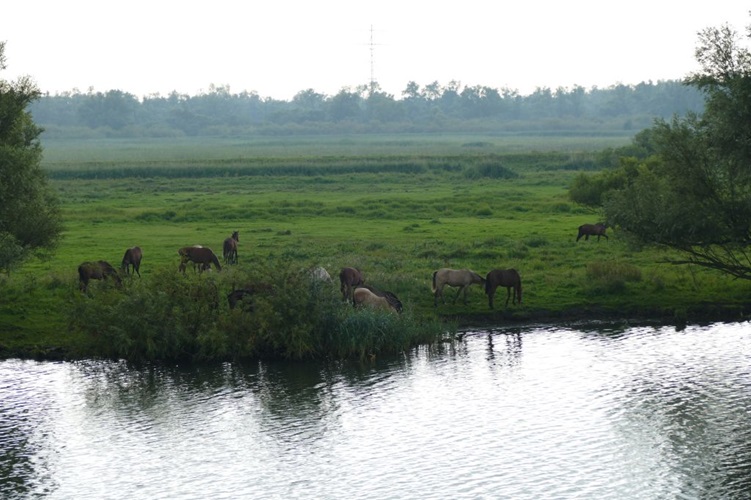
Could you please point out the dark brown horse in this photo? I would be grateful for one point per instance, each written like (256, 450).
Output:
(508, 278)
(588, 230)
(133, 258)
(202, 256)
(96, 271)
(229, 248)
(349, 277)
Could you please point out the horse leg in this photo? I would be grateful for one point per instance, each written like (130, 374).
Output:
(508, 295)
(462, 289)
(490, 297)
(457, 295)
(438, 291)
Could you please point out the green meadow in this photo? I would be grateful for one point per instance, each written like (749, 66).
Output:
(396, 207)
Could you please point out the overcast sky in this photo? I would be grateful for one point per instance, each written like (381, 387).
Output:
(280, 47)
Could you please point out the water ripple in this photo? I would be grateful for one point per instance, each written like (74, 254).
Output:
(523, 414)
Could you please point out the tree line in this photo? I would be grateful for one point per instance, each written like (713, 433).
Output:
(366, 108)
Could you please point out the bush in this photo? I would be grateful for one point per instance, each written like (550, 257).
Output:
(288, 315)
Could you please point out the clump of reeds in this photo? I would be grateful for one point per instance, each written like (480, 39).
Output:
(286, 314)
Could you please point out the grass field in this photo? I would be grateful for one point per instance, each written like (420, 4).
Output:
(398, 208)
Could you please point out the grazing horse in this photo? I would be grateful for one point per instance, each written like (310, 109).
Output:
(96, 271)
(588, 230)
(461, 278)
(202, 256)
(229, 248)
(133, 258)
(508, 278)
(349, 277)
(387, 301)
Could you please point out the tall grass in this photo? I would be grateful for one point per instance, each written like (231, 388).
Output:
(290, 315)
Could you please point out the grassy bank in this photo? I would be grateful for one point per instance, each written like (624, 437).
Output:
(389, 207)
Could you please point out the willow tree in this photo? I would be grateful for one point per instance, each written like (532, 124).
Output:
(29, 209)
(695, 194)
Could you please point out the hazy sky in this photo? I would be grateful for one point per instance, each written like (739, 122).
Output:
(279, 47)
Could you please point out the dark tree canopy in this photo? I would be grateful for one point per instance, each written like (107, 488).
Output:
(695, 193)
(29, 211)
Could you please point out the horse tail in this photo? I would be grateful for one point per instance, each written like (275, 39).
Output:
(487, 284)
(434, 273)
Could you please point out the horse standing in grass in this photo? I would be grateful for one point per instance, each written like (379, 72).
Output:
(349, 278)
(133, 258)
(387, 301)
(202, 256)
(229, 248)
(588, 230)
(461, 278)
(99, 270)
(508, 278)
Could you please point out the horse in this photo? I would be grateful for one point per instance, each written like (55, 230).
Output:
(508, 278)
(229, 249)
(349, 277)
(133, 258)
(202, 256)
(365, 296)
(461, 278)
(588, 230)
(99, 270)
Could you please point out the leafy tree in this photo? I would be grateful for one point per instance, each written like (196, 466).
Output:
(29, 211)
(697, 197)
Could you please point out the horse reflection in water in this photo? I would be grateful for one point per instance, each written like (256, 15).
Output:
(513, 352)
(99, 270)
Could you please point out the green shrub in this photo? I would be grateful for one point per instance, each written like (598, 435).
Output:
(174, 316)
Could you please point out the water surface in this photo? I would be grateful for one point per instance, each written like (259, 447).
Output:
(506, 413)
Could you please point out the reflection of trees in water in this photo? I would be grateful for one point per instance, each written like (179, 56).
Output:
(700, 424)
(25, 412)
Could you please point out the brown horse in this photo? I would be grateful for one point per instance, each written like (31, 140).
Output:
(508, 278)
(461, 278)
(133, 258)
(349, 277)
(96, 271)
(241, 294)
(588, 230)
(202, 256)
(366, 296)
(229, 248)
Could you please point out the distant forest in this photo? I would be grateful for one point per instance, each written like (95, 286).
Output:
(365, 109)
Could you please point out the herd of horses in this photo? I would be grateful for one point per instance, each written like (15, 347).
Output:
(352, 283)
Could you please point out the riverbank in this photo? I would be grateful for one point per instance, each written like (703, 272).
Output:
(69, 346)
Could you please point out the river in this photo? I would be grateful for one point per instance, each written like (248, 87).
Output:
(531, 413)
